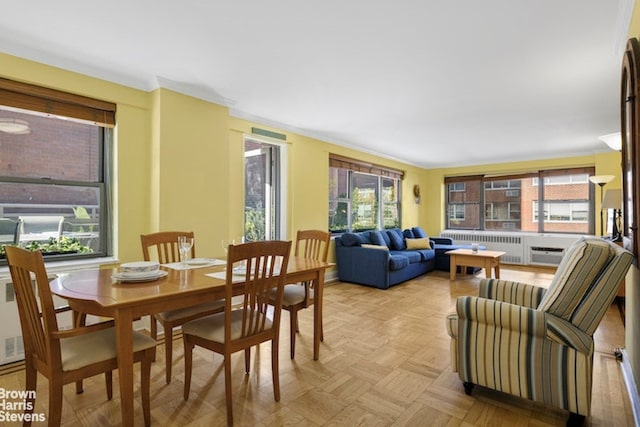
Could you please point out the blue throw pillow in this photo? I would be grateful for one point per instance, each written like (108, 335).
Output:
(418, 232)
(351, 239)
(408, 234)
(376, 238)
(397, 240)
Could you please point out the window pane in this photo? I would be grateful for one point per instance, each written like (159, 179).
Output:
(36, 213)
(390, 208)
(53, 185)
(364, 202)
(338, 216)
(566, 200)
(54, 148)
(463, 210)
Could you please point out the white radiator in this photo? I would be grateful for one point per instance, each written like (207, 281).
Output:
(520, 248)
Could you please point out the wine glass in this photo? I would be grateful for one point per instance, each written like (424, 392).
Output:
(184, 247)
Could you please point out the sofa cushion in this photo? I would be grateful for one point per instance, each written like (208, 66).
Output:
(426, 254)
(578, 269)
(398, 262)
(396, 239)
(421, 243)
(352, 239)
(418, 232)
(376, 238)
(408, 234)
(412, 256)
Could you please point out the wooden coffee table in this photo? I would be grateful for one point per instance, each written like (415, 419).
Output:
(467, 258)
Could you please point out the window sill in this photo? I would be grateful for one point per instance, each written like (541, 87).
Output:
(70, 265)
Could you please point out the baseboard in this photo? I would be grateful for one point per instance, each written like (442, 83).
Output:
(632, 388)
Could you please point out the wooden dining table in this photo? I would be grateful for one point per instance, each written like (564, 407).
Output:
(95, 292)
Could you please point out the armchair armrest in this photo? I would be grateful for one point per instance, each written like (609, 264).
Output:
(522, 320)
(517, 293)
(502, 315)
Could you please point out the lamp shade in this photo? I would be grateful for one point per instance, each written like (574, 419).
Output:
(601, 179)
(613, 140)
(612, 199)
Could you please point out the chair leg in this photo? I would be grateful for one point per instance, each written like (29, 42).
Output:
(108, 381)
(227, 387)
(31, 382)
(188, 349)
(275, 376)
(247, 360)
(55, 401)
(79, 387)
(168, 351)
(575, 420)
(293, 317)
(468, 387)
(145, 379)
(153, 326)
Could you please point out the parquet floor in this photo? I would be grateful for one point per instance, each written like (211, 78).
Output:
(384, 362)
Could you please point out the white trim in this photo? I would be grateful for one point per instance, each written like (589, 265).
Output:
(632, 389)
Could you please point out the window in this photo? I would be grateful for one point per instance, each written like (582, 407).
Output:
(263, 203)
(513, 203)
(55, 151)
(362, 196)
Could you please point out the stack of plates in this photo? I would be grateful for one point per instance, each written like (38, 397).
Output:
(141, 271)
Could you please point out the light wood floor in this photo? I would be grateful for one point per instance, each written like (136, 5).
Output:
(384, 362)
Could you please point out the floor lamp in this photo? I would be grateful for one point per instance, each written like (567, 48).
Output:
(601, 180)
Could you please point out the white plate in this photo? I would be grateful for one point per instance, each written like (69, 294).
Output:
(139, 267)
(200, 261)
(155, 275)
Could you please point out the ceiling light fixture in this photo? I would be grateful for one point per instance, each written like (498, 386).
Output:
(14, 126)
(613, 140)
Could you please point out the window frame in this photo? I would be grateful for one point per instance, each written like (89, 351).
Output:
(55, 105)
(487, 184)
(355, 168)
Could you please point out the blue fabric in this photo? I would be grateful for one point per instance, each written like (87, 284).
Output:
(396, 239)
(398, 262)
(426, 254)
(377, 239)
(418, 232)
(386, 239)
(408, 234)
(412, 256)
(351, 239)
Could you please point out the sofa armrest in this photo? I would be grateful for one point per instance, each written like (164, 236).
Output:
(442, 240)
(363, 265)
(517, 293)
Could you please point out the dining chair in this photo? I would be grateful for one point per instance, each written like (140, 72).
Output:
(70, 355)
(313, 244)
(255, 268)
(163, 246)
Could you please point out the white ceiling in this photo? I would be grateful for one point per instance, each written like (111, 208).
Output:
(430, 83)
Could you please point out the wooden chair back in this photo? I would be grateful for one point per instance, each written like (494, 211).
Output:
(313, 244)
(163, 246)
(38, 320)
(262, 266)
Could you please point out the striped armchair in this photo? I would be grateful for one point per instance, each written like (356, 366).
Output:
(537, 343)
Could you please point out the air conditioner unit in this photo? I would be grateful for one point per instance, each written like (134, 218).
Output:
(542, 255)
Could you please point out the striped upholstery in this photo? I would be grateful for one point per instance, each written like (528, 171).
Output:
(577, 271)
(537, 344)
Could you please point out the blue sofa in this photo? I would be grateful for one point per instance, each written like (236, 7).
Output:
(387, 257)
(380, 258)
